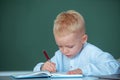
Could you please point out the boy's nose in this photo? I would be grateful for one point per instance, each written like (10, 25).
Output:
(65, 51)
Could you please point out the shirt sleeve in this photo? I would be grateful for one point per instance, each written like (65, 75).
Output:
(37, 67)
(101, 64)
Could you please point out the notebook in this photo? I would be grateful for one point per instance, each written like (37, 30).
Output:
(46, 74)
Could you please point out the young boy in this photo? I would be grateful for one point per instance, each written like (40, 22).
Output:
(75, 55)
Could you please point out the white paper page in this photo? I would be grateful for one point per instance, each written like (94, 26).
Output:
(64, 75)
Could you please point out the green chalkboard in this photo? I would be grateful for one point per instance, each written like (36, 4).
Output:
(26, 28)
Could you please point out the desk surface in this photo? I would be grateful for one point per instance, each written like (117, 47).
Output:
(6, 75)
(85, 78)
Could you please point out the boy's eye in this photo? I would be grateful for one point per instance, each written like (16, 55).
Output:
(70, 46)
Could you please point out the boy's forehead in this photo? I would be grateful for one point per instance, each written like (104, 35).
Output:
(68, 34)
(73, 29)
(66, 38)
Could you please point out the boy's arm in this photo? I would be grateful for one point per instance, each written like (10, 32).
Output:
(76, 71)
(102, 65)
(38, 67)
(104, 69)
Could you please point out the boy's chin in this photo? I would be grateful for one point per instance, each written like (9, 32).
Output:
(70, 56)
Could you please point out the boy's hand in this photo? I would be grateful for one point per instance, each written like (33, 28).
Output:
(76, 71)
(49, 66)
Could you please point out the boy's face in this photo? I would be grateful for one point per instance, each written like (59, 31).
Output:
(70, 44)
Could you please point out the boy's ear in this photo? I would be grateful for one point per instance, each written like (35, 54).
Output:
(84, 38)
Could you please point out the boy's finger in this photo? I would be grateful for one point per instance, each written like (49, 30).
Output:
(52, 67)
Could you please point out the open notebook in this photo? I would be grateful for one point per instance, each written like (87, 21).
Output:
(45, 74)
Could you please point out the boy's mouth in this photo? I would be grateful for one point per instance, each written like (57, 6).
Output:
(69, 56)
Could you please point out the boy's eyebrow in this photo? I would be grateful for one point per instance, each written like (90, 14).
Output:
(69, 45)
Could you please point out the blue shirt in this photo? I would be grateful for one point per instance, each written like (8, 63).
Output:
(91, 60)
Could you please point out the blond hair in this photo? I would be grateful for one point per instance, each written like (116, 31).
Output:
(68, 22)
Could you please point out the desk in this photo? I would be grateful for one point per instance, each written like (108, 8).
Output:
(6, 75)
(10, 78)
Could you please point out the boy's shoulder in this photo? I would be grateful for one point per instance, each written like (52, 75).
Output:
(92, 50)
(91, 47)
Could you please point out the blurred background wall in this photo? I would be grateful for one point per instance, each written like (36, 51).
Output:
(26, 28)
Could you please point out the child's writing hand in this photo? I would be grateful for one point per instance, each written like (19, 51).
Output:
(76, 71)
(49, 66)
